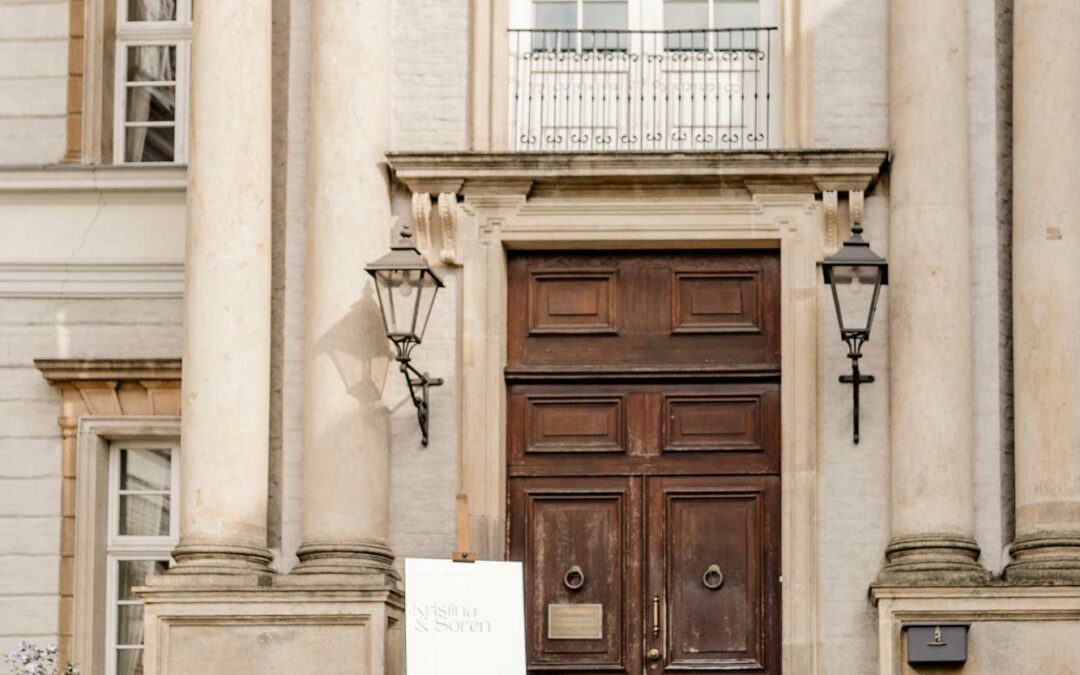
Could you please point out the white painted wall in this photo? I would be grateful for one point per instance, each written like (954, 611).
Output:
(33, 80)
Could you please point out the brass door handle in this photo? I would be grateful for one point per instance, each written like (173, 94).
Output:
(655, 615)
(653, 654)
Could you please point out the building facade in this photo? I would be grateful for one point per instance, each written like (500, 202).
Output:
(210, 462)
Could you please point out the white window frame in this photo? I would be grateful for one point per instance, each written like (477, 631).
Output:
(152, 33)
(120, 548)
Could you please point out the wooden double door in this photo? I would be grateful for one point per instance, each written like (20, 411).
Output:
(644, 458)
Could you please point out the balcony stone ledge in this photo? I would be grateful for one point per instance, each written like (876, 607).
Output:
(770, 171)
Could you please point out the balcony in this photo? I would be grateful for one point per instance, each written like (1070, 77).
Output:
(642, 91)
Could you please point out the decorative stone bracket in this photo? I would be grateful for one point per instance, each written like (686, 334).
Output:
(446, 210)
(833, 213)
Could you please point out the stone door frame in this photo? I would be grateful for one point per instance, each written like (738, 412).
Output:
(716, 201)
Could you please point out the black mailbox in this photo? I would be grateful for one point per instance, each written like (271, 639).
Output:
(936, 644)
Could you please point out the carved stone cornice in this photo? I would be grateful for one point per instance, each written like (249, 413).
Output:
(113, 386)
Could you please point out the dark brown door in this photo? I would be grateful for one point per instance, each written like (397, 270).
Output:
(644, 459)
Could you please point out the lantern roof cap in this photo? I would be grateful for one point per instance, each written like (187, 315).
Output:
(856, 252)
(403, 255)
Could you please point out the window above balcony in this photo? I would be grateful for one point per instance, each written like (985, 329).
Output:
(642, 75)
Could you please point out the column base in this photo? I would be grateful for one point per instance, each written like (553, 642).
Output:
(361, 557)
(932, 560)
(221, 559)
(1046, 558)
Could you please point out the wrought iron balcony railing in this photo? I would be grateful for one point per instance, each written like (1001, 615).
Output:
(629, 91)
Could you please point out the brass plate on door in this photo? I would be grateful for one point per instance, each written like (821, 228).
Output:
(575, 622)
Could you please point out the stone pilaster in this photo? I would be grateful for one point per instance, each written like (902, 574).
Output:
(346, 450)
(1046, 276)
(930, 298)
(226, 376)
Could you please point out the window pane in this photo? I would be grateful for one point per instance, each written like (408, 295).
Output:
(151, 104)
(129, 625)
(129, 662)
(737, 14)
(605, 15)
(145, 469)
(555, 15)
(133, 573)
(686, 14)
(144, 515)
(150, 144)
(151, 10)
(153, 63)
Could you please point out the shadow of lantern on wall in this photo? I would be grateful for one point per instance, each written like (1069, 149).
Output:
(857, 274)
(407, 287)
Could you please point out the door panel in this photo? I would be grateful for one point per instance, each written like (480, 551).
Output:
(681, 311)
(582, 423)
(712, 564)
(643, 428)
(582, 587)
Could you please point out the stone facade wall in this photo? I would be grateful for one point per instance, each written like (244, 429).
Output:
(854, 483)
(33, 80)
(850, 100)
(850, 89)
(54, 246)
(30, 441)
(986, 264)
(291, 183)
(429, 110)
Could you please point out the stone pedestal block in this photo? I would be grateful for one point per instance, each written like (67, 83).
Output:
(301, 625)
(1019, 630)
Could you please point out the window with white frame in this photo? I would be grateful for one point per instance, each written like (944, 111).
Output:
(142, 531)
(152, 67)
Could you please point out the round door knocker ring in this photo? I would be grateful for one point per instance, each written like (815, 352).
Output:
(713, 578)
(574, 578)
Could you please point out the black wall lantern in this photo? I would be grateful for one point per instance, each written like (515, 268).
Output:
(406, 288)
(862, 272)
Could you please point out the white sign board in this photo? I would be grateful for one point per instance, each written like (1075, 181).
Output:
(464, 618)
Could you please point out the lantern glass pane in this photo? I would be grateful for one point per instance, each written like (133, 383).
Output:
(428, 289)
(397, 292)
(856, 290)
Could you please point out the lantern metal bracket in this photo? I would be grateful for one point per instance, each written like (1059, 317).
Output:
(419, 383)
(855, 341)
